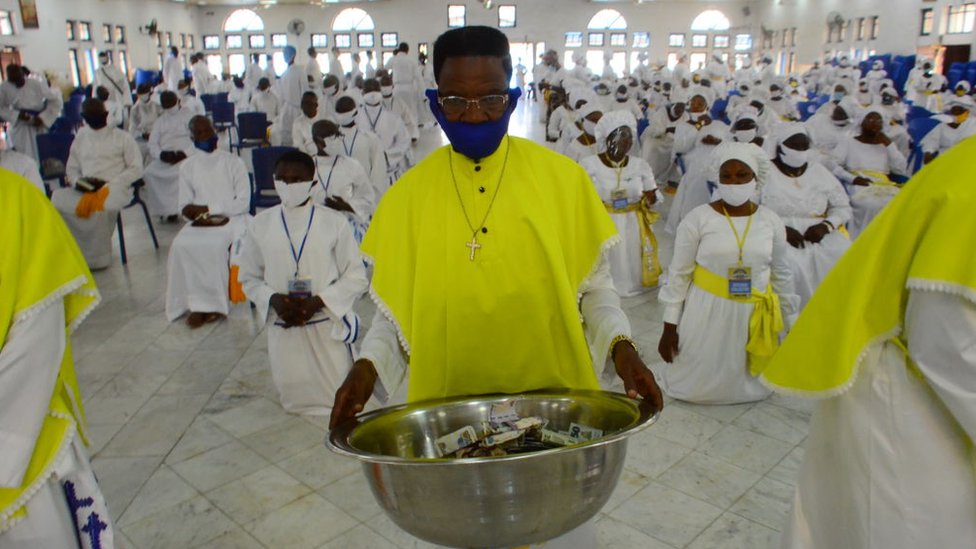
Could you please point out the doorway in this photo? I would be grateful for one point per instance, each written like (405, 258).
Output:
(523, 53)
(954, 54)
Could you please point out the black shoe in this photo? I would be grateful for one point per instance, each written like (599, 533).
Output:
(172, 218)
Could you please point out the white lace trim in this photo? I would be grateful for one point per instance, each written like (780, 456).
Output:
(59, 294)
(381, 305)
(604, 248)
(958, 290)
(7, 520)
(836, 391)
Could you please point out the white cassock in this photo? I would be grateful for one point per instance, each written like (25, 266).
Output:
(943, 137)
(856, 159)
(169, 133)
(241, 98)
(252, 75)
(693, 189)
(109, 154)
(657, 146)
(301, 134)
(313, 72)
(111, 78)
(343, 177)
(408, 116)
(634, 180)
(142, 116)
(24, 166)
(712, 366)
(393, 136)
(366, 148)
(896, 448)
(405, 82)
(203, 81)
(578, 151)
(200, 257)
(308, 363)
(34, 98)
(192, 105)
(29, 363)
(172, 72)
(290, 89)
(802, 202)
(266, 102)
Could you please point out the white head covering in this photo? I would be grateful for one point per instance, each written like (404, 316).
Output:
(964, 101)
(878, 65)
(786, 130)
(863, 113)
(962, 84)
(589, 108)
(610, 122)
(746, 112)
(747, 153)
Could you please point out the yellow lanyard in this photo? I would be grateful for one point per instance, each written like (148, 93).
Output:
(618, 168)
(740, 241)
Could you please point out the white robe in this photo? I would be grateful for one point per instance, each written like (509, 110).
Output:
(142, 116)
(29, 362)
(943, 137)
(169, 133)
(406, 85)
(366, 148)
(407, 115)
(172, 72)
(199, 258)
(394, 139)
(693, 189)
(635, 179)
(578, 151)
(33, 96)
(301, 134)
(711, 366)
(344, 177)
(308, 363)
(802, 202)
(852, 156)
(266, 102)
(24, 166)
(117, 84)
(109, 154)
(203, 81)
(290, 88)
(657, 146)
(897, 447)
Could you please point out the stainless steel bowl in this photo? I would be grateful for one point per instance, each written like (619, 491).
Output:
(500, 501)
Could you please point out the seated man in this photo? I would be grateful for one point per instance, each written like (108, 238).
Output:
(301, 129)
(342, 182)
(214, 196)
(311, 284)
(103, 164)
(389, 127)
(142, 116)
(169, 144)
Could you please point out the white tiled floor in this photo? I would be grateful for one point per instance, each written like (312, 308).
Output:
(193, 450)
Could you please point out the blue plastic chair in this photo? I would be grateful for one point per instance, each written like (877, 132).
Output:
(252, 130)
(136, 200)
(71, 111)
(918, 112)
(806, 109)
(208, 100)
(52, 151)
(222, 97)
(263, 159)
(917, 130)
(718, 110)
(223, 119)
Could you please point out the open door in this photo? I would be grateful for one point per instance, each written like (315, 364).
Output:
(954, 54)
(8, 56)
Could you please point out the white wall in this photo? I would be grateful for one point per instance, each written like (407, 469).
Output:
(900, 22)
(537, 20)
(46, 48)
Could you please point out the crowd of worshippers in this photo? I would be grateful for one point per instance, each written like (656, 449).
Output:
(711, 149)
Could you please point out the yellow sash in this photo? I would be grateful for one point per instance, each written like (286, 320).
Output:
(766, 321)
(646, 217)
(876, 177)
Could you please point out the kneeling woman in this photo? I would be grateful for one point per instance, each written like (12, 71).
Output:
(729, 291)
(627, 188)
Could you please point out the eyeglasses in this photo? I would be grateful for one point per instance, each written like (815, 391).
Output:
(492, 105)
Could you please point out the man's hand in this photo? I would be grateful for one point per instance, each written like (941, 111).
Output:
(354, 392)
(650, 197)
(288, 310)
(861, 181)
(929, 157)
(637, 378)
(24, 116)
(192, 211)
(711, 140)
(37, 122)
(795, 238)
(338, 204)
(816, 233)
(309, 306)
(668, 346)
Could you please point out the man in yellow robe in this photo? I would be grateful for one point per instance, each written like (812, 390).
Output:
(48, 493)
(489, 264)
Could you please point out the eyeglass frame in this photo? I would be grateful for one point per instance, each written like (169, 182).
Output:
(476, 102)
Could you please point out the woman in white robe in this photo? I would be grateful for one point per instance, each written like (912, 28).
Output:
(706, 335)
(865, 163)
(657, 142)
(585, 144)
(627, 188)
(301, 267)
(813, 205)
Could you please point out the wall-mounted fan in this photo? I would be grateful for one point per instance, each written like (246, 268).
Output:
(296, 27)
(152, 28)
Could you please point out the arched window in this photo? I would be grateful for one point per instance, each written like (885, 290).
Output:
(353, 19)
(243, 20)
(710, 20)
(607, 20)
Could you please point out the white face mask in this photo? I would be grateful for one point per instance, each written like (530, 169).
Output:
(736, 195)
(346, 118)
(387, 91)
(293, 195)
(744, 136)
(331, 91)
(334, 146)
(589, 127)
(793, 158)
(372, 98)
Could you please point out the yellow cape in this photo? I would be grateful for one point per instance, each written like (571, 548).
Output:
(924, 239)
(40, 265)
(509, 320)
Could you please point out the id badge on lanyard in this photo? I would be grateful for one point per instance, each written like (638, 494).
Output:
(299, 287)
(619, 199)
(740, 281)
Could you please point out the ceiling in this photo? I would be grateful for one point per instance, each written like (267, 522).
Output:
(326, 2)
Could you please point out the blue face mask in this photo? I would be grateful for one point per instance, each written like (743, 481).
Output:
(837, 97)
(207, 145)
(476, 141)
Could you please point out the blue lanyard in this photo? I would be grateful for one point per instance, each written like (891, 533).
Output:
(350, 148)
(372, 123)
(297, 256)
(328, 181)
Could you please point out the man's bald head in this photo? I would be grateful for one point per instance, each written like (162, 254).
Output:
(324, 129)
(371, 85)
(92, 107)
(345, 104)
